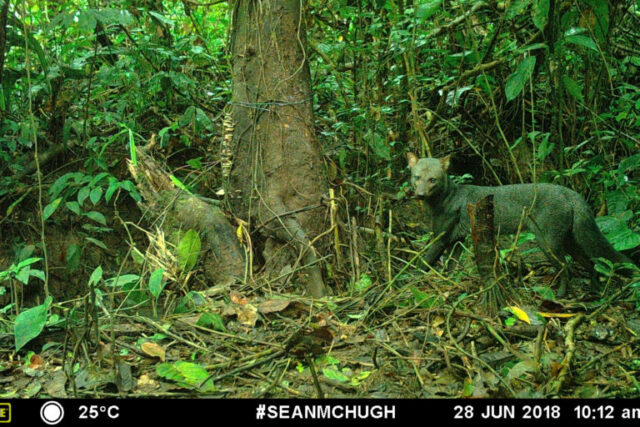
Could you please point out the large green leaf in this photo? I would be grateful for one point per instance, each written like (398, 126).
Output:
(188, 250)
(155, 282)
(51, 208)
(572, 87)
(600, 14)
(517, 81)
(186, 374)
(426, 10)
(516, 8)
(618, 233)
(540, 12)
(212, 320)
(30, 323)
(583, 41)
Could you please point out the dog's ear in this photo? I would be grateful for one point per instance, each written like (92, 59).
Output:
(412, 159)
(445, 161)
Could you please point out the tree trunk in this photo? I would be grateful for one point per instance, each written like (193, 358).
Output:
(277, 181)
(486, 251)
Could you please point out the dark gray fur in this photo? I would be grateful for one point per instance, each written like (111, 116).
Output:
(559, 217)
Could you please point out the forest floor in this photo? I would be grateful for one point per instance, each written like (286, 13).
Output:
(424, 334)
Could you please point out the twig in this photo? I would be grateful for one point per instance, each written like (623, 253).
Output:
(569, 330)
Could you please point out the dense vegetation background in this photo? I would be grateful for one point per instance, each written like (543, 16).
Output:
(520, 91)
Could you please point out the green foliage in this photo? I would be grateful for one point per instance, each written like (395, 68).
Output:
(362, 284)
(30, 323)
(190, 302)
(542, 90)
(22, 271)
(424, 300)
(189, 250)
(517, 81)
(213, 321)
(187, 375)
(155, 283)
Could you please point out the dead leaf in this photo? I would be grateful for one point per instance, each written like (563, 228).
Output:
(124, 378)
(214, 291)
(228, 311)
(237, 298)
(55, 384)
(309, 340)
(36, 361)
(247, 315)
(190, 319)
(146, 384)
(272, 306)
(152, 349)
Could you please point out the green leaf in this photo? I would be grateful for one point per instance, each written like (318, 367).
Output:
(545, 292)
(113, 186)
(37, 274)
(572, 87)
(618, 233)
(29, 323)
(63, 182)
(190, 302)
(186, 374)
(95, 276)
(115, 16)
(95, 195)
(23, 275)
(132, 149)
(603, 266)
(213, 321)
(96, 179)
(87, 20)
(188, 250)
(155, 283)
(583, 41)
(161, 18)
(73, 257)
(125, 279)
(97, 217)
(197, 119)
(426, 10)
(333, 374)
(363, 283)
(179, 183)
(27, 262)
(96, 242)
(540, 12)
(51, 208)
(73, 207)
(131, 189)
(517, 81)
(516, 8)
(600, 10)
(83, 194)
(422, 299)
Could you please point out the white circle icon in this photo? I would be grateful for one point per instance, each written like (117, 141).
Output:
(52, 413)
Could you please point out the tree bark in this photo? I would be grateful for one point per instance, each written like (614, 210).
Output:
(486, 252)
(276, 181)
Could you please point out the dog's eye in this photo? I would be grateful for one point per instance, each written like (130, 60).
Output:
(432, 180)
(416, 177)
